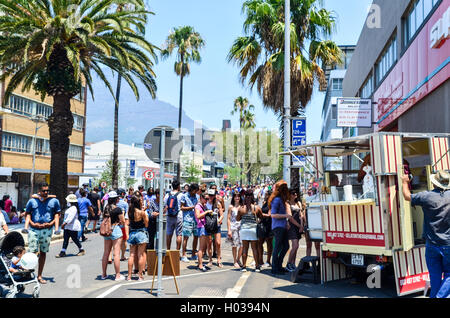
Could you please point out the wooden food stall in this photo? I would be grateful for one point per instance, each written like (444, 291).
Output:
(366, 223)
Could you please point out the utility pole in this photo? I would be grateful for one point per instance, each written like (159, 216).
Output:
(287, 91)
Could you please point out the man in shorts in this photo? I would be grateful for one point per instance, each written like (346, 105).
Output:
(42, 214)
(188, 202)
(174, 222)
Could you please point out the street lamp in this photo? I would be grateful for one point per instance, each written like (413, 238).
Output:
(287, 89)
(36, 119)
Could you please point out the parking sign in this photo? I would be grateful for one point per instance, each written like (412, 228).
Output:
(298, 135)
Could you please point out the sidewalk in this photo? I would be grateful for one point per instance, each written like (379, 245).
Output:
(21, 226)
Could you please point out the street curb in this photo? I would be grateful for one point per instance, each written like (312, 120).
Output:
(55, 237)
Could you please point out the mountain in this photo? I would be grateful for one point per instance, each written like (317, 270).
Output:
(136, 118)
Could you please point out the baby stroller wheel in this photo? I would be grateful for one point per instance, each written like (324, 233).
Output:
(36, 292)
(20, 288)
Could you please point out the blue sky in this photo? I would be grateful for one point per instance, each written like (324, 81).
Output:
(213, 85)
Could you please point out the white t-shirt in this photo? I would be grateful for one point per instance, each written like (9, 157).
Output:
(71, 218)
(2, 223)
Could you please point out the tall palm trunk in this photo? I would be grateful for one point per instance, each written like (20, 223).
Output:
(180, 114)
(60, 125)
(115, 167)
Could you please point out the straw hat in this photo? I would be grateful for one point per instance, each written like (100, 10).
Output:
(441, 180)
(71, 198)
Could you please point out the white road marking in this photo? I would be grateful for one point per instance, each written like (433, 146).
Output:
(113, 289)
(236, 290)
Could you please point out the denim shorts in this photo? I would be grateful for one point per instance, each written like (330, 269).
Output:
(202, 232)
(116, 234)
(139, 236)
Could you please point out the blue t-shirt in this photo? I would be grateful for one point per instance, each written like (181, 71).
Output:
(43, 211)
(436, 215)
(124, 207)
(83, 204)
(189, 202)
(278, 207)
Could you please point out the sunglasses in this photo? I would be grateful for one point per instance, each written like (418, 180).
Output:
(47, 191)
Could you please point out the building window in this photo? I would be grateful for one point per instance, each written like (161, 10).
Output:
(78, 122)
(28, 107)
(24, 144)
(44, 110)
(16, 143)
(386, 61)
(75, 152)
(367, 89)
(42, 147)
(337, 84)
(415, 17)
(20, 105)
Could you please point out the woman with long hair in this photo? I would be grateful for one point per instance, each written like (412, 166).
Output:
(280, 213)
(295, 228)
(234, 227)
(214, 205)
(114, 241)
(264, 231)
(200, 213)
(247, 215)
(138, 236)
(71, 226)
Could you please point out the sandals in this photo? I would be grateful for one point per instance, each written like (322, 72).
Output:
(220, 264)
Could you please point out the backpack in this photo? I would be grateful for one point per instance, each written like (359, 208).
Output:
(211, 223)
(105, 226)
(172, 204)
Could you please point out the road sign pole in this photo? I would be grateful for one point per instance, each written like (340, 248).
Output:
(161, 211)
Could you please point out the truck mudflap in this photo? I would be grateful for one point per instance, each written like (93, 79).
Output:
(411, 272)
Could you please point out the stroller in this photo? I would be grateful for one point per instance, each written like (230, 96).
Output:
(13, 284)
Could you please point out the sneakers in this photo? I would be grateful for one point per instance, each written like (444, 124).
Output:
(121, 278)
(184, 259)
(194, 258)
(266, 265)
(290, 267)
(62, 254)
(244, 269)
(258, 269)
(81, 253)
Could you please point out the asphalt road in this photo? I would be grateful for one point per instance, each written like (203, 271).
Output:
(79, 277)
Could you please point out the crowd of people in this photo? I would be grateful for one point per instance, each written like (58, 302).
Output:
(263, 217)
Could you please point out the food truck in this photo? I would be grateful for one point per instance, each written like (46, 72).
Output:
(367, 225)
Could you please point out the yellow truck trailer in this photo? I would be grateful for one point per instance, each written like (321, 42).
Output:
(375, 229)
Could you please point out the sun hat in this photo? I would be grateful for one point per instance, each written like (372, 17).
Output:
(71, 198)
(441, 179)
(112, 195)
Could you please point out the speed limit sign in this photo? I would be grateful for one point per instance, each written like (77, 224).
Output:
(149, 175)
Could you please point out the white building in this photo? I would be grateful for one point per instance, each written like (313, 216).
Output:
(98, 154)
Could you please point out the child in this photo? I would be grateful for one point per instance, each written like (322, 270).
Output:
(18, 252)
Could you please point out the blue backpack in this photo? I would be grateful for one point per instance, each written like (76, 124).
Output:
(172, 205)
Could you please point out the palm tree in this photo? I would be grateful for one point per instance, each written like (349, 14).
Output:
(246, 117)
(260, 52)
(246, 121)
(122, 4)
(188, 43)
(54, 45)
